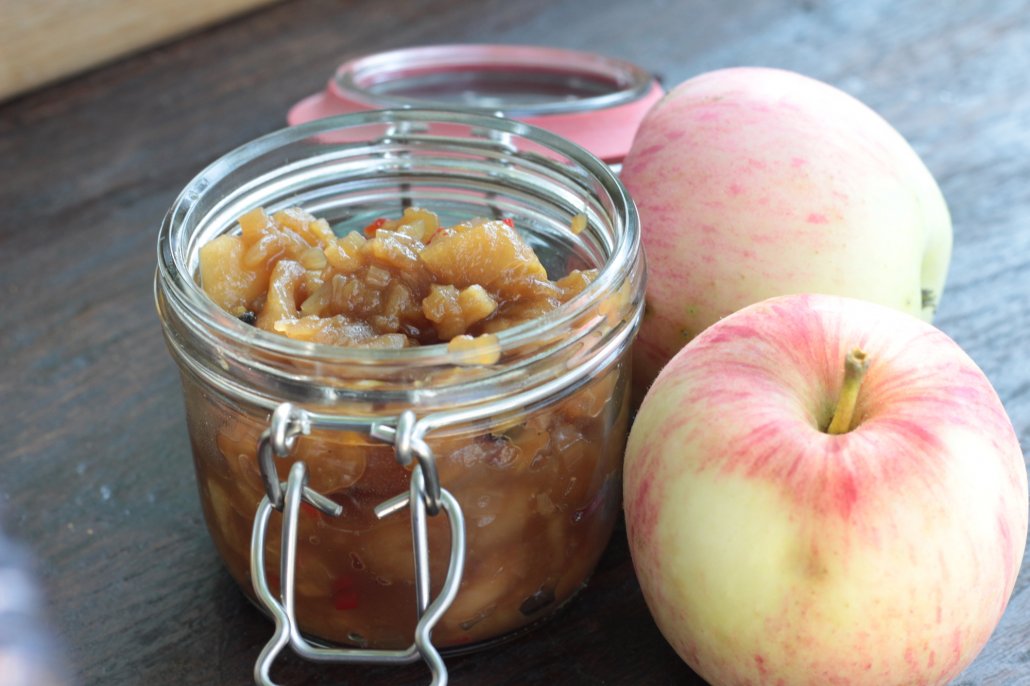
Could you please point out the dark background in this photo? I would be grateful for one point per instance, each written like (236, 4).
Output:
(95, 475)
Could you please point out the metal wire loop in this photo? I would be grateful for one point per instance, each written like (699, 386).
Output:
(282, 606)
(427, 461)
(424, 497)
(408, 446)
(288, 422)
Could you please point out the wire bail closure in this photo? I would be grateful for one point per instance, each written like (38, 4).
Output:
(424, 497)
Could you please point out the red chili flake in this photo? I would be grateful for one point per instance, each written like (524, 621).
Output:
(371, 229)
(509, 221)
(345, 600)
(436, 233)
(344, 595)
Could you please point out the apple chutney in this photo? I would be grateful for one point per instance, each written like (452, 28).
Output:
(372, 309)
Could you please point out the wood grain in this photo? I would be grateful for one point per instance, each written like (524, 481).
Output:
(96, 477)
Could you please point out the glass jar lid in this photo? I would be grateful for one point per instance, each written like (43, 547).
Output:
(595, 101)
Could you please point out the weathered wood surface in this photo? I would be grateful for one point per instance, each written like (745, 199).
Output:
(95, 475)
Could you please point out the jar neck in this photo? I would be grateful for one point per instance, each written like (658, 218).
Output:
(535, 377)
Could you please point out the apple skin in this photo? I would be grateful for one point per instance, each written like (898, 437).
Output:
(756, 182)
(771, 553)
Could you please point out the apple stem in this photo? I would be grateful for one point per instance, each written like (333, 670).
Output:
(855, 365)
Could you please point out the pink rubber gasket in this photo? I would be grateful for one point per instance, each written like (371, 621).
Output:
(604, 125)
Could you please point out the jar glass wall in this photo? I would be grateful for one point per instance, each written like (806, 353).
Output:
(530, 445)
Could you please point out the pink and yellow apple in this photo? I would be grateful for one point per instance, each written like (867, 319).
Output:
(756, 182)
(771, 552)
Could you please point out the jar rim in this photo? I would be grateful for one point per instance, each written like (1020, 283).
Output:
(624, 80)
(177, 283)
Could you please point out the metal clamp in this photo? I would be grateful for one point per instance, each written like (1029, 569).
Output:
(424, 496)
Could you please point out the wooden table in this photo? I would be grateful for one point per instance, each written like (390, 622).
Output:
(96, 477)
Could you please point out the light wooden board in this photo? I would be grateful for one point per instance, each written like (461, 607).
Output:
(43, 40)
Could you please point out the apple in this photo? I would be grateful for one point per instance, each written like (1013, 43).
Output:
(756, 182)
(772, 551)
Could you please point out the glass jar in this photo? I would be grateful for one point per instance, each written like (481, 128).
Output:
(529, 444)
(593, 100)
